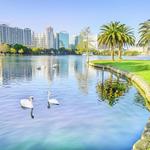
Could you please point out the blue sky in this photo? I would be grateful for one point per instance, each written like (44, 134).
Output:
(73, 15)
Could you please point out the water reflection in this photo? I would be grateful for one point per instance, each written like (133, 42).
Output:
(81, 73)
(74, 84)
(144, 103)
(12, 68)
(31, 112)
(111, 89)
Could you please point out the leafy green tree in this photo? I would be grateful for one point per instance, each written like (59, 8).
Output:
(125, 38)
(21, 51)
(85, 42)
(144, 31)
(4, 48)
(13, 51)
(36, 50)
(115, 35)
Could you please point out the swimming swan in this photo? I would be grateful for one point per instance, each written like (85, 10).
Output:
(27, 103)
(55, 65)
(52, 101)
(41, 67)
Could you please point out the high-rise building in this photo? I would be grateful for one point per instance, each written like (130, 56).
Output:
(27, 36)
(50, 38)
(39, 40)
(57, 41)
(15, 35)
(4, 33)
(63, 40)
(18, 36)
(77, 40)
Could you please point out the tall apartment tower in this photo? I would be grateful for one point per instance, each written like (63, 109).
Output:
(27, 36)
(15, 35)
(62, 40)
(4, 33)
(50, 41)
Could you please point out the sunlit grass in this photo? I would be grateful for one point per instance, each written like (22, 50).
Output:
(139, 67)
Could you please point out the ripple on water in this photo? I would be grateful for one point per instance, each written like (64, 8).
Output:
(82, 120)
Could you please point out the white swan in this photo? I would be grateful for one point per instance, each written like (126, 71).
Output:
(41, 67)
(27, 103)
(38, 68)
(55, 65)
(52, 101)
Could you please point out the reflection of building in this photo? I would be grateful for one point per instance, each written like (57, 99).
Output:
(14, 35)
(1, 72)
(63, 69)
(62, 40)
(15, 70)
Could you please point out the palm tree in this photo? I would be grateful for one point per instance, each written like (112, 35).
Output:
(125, 38)
(115, 35)
(109, 37)
(144, 31)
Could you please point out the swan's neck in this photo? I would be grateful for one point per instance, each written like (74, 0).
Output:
(48, 95)
(30, 100)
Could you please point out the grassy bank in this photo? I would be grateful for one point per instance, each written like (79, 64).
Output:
(138, 67)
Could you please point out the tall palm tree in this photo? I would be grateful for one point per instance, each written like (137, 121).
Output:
(144, 31)
(115, 35)
(109, 37)
(125, 38)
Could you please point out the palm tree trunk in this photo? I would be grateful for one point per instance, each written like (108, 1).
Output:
(120, 52)
(112, 54)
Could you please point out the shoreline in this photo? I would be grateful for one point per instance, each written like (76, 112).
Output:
(144, 89)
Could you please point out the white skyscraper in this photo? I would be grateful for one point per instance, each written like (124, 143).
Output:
(27, 36)
(4, 33)
(15, 35)
(39, 40)
(50, 38)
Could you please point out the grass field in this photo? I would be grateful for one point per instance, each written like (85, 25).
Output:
(138, 67)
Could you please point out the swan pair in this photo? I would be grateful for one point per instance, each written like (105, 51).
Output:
(28, 103)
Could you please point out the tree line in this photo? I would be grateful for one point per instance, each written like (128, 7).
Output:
(117, 35)
(114, 36)
(24, 50)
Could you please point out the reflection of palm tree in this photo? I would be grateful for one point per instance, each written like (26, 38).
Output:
(111, 90)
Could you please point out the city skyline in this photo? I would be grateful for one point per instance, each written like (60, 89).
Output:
(26, 36)
(73, 15)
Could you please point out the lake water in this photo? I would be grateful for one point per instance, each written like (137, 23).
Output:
(82, 121)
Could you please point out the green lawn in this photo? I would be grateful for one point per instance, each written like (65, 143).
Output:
(138, 67)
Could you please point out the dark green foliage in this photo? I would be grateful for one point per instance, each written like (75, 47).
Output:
(24, 50)
(111, 90)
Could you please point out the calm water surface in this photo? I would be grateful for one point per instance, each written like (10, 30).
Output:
(83, 120)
